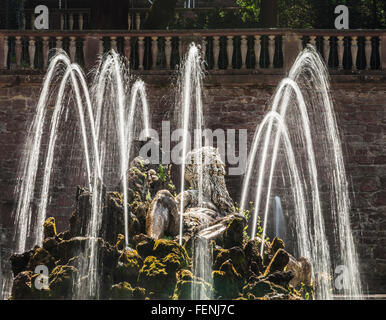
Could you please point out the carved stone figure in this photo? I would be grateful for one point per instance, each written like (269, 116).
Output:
(205, 202)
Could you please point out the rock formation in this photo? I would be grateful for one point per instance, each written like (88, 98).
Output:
(157, 267)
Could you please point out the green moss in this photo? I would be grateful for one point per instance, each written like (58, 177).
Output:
(41, 257)
(120, 244)
(49, 228)
(227, 281)
(276, 244)
(129, 265)
(153, 275)
(124, 291)
(164, 247)
(184, 289)
(278, 262)
(61, 281)
(233, 235)
(185, 275)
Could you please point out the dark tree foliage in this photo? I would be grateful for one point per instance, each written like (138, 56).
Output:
(269, 13)
(319, 14)
(160, 15)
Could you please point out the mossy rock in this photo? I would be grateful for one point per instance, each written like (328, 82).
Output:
(185, 288)
(51, 245)
(49, 228)
(237, 258)
(227, 281)
(19, 261)
(172, 262)
(41, 257)
(278, 262)
(233, 235)
(72, 247)
(65, 235)
(163, 248)
(257, 289)
(264, 289)
(129, 265)
(120, 244)
(145, 247)
(276, 244)
(184, 275)
(252, 254)
(154, 277)
(124, 291)
(22, 286)
(61, 281)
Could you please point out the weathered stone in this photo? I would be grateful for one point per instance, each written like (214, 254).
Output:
(124, 291)
(301, 269)
(61, 281)
(278, 262)
(227, 282)
(129, 264)
(49, 228)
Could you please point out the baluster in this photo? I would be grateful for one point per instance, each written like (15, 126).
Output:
(62, 21)
(154, 52)
(300, 43)
(203, 48)
(114, 44)
(5, 62)
(168, 51)
(101, 49)
(354, 52)
(72, 48)
(141, 51)
(368, 52)
(257, 48)
(18, 49)
(313, 41)
(244, 51)
(340, 51)
(230, 51)
(23, 22)
(80, 19)
(216, 51)
(59, 42)
(326, 49)
(45, 51)
(129, 21)
(138, 21)
(31, 52)
(128, 48)
(271, 50)
(71, 21)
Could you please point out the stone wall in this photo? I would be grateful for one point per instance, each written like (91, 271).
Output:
(235, 101)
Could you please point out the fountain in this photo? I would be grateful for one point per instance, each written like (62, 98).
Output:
(224, 263)
(110, 71)
(191, 87)
(280, 223)
(313, 113)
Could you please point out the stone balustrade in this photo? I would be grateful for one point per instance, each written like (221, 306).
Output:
(245, 50)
